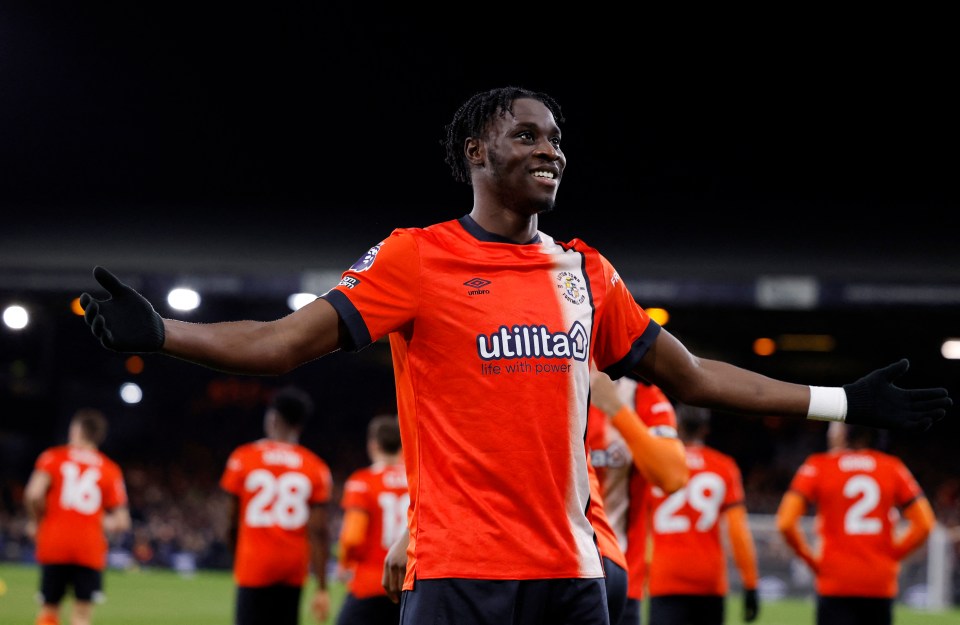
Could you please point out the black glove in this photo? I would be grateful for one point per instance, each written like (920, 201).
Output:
(875, 401)
(125, 321)
(751, 606)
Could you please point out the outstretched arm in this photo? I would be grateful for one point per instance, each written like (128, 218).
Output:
(872, 400)
(257, 347)
(125, 321)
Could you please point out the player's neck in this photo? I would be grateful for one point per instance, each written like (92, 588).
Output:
(504, 222)
(291, 438)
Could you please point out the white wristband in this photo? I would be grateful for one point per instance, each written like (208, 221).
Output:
(827, 403)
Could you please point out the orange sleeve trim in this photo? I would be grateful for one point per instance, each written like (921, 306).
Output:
(352, 532)
(922, 519)
(792, 507)
(741, 542)
(660, 460)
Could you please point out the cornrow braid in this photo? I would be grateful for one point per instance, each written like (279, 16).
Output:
(473, 116)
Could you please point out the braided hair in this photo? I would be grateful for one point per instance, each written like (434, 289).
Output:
(473, 116)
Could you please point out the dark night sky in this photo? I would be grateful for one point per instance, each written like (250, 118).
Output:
(319, 123)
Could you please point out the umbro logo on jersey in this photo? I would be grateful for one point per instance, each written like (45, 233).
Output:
(476, 286)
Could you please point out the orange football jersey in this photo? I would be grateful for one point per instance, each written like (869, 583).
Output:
(857, 494)
(688, 557)
(276, 484)
(381, 492)
(83, 484)
(491, 343)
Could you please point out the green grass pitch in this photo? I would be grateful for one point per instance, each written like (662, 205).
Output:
(162, 597)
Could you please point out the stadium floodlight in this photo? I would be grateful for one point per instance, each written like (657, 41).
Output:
(299, 300)
(183, 298)
(950, 349)
(131, 393)
(16, 317)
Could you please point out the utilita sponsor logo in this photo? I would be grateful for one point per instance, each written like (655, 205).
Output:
(476, 286)
(533, 342)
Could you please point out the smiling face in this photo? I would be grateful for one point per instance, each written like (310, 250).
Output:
(518, 163)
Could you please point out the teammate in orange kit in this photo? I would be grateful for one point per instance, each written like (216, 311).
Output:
(74, 496)
(278, 523)
(375, 503)
(857, 491)
(688, 566)
(632, 447)
(493, 324)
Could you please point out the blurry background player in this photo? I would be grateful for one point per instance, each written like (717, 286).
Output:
(74, 495)
(688, 567)
(278, 522)
(630, 448)
(856, 491)
(375, 504)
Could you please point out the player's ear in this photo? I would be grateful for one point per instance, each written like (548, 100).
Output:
(475, 151)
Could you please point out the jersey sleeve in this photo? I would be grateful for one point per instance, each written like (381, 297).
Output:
(114, 491)
(379, 293)
(46, 461)
(804, 481)
(735, 495)
(624, 330)
(232, 478)
(907, 489)
(356, 492)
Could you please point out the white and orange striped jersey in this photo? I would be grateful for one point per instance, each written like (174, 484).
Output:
(491, 343)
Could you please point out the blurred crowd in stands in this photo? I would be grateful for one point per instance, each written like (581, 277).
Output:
(179, 512)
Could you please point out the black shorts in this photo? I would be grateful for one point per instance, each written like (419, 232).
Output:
(854, 611)
(268, 605)
(368, 611)
(616, 582)
(687, 609)
(455, 601)
(632, 614)
(87, 583)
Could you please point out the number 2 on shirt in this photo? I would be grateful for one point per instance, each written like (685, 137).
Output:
(866, 491)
